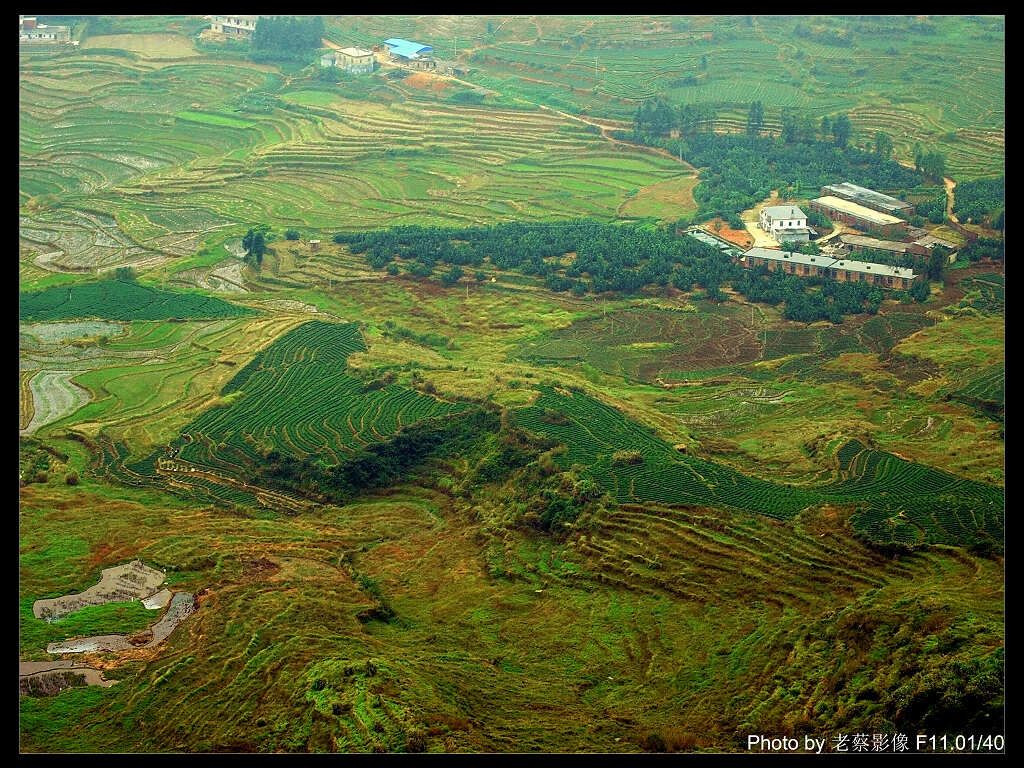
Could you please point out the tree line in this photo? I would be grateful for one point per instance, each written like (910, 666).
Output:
(608, 257)
(286, 37)
(739, 170)
(984, 199)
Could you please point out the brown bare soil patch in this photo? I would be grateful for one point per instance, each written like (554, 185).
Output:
(425, 81)
(264, 566)
(741, 237)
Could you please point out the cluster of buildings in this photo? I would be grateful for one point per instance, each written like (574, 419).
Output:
(356, 61)
(31, 32)
(883, 230)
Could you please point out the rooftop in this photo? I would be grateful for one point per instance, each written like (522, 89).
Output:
(784, 212)
(865, 195)
(407, 48)
(871, 242)
(877, 269)
(868, 214)
(796, 258)
(831, 263)
(355, 52)
(929, 240)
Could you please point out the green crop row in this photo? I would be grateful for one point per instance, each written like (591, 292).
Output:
(120, 300)
(900, 500)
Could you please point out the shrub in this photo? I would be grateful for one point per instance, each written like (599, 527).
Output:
(291, 234)
(71, 478)
(622, 458)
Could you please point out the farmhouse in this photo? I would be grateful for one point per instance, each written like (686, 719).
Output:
(858, 216)
(868, 198)
(785, 222)
(410, 53)
(843, 270)
(31, 32)
(353, 60)
(862, 243)
(234, 26)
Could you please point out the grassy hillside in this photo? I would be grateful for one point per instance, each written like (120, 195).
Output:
(466, 514)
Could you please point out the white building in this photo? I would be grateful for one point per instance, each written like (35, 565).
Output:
(776, 217)
(353, 60)
(234, 25)
(30, 32)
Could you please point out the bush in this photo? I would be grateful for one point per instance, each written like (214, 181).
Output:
(71, 478)
(291, 234)
(392, 269)
(622, 458)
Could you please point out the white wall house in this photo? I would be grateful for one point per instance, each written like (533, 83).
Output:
(776, 218)
(236, 25)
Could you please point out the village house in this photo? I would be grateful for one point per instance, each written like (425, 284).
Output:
(234, 26)
(353, 60)
(785, 223)
(31, 32)
(408, 53)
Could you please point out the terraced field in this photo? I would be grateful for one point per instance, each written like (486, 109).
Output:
(906, 502)
(892, 76)
(691, 521)
(121, 300)
(295, 397)
(170, 178)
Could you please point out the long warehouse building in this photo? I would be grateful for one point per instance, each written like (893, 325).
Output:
(859, 216)
(869, 198)
(843, 270)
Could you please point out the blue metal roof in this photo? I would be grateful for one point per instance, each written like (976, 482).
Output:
(407, 48)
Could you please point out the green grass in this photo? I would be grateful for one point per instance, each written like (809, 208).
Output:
(213, 119)
(112, 618)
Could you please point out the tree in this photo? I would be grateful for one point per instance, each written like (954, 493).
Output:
(789, 126)
(841, 129)
(920, 291)
(883, 145)
(937, 265)
(452, 276)
(71, 478)
(826, 128)
(934, 165)
(704, 63)
(918, 155)
(291, 234)
(255, 246)
(125, 273)
(755, 118)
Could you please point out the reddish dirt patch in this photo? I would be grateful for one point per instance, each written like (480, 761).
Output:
(740, 237)
(425, 81)
(264, 566)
